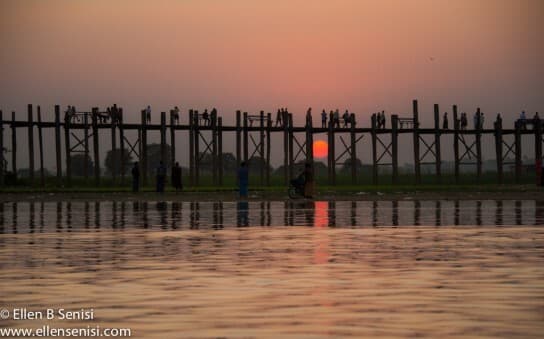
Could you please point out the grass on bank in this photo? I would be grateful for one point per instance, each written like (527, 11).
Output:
(406, 183)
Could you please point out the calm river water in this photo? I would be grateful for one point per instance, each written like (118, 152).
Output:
(278, 269)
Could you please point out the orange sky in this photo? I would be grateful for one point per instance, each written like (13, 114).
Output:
(253, 55)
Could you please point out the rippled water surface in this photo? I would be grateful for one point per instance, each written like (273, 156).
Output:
(280, 269)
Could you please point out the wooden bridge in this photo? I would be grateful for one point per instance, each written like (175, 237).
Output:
(253, 137)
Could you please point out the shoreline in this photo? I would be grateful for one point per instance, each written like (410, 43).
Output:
(273, 196)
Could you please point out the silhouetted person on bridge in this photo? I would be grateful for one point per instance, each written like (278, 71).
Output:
(346, 119)
(148, 114)
(445, 121)
(175, 115)
(279, 116)
(206, 117)
(337, 118)
(324, 119)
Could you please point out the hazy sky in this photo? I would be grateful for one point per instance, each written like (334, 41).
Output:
(262, 54)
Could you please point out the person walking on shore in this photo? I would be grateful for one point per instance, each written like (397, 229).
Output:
(135, 177)
(243, 179)
(161, 177)
(308, 181)
(176, 177)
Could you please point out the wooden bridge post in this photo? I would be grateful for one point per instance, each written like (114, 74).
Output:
(332, 153)
(172, 139)
(2, 160)
(395, 147)
(68, 150)
(456, 144)
(122, 144)
(163, 138)
(309, 140)
(86, 144)
(417, 165)
(215, 156)
(268, 145)
(40, 144)
(238, 139)
(196, 136)
(261, 148)
(143, 150)
(353, 145)
(291, 151)
(537, 126)
(191, 149)
(479, 150)
(374, 150)
(58, 146)
(285, 150)
(438, 155)
(95, 147)
(116, 165)
(498, 149)
(517, 149)
(245, 138)
(220, 149)
(30, 144)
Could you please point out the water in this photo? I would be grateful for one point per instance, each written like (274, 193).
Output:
(279, 269)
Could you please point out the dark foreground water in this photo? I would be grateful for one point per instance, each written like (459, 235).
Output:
(278, 269)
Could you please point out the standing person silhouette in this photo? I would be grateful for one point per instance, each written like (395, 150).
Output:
(176, 177)
(161, 177)
(148, 114)
(243, 180)
(279, 115)
(135, 177)
(324, 119)
(308, 181)
(346, 119)
(445, 121)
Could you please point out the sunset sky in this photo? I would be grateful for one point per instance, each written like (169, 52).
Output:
(259, 54)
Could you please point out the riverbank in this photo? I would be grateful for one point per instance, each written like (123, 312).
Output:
(368, 193)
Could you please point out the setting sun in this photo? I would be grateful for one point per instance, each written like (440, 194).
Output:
(321, 149)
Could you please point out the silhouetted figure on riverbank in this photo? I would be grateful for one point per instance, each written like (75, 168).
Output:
(176, 177)
(243, 179)
(161, 177)
(135, 177)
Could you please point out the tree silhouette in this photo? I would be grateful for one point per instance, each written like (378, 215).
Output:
(78, 165)
(113, 160)
(154, 157)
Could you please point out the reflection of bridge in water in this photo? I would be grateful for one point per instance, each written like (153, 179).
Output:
(97, 216)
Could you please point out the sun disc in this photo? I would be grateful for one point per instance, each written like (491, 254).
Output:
(321, 149)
